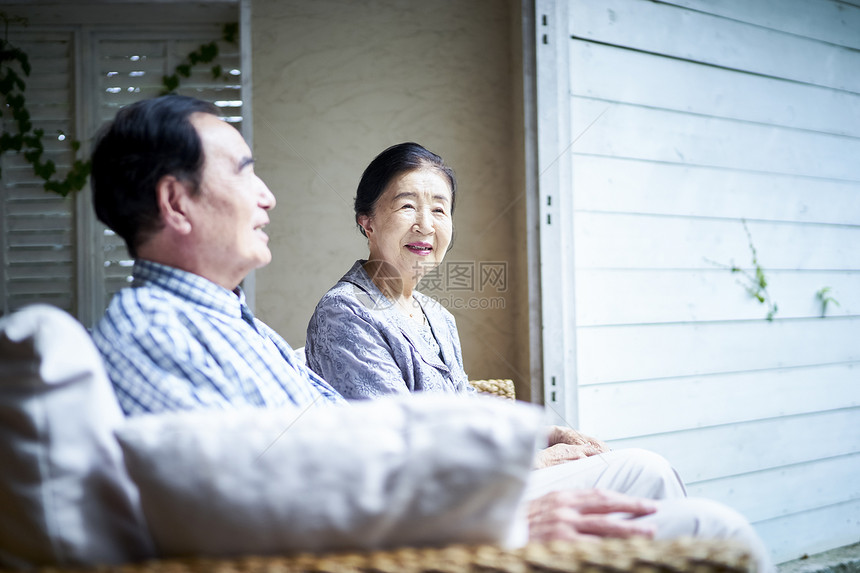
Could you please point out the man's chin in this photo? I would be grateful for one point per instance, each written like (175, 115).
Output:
(264, 261)
(263, 258)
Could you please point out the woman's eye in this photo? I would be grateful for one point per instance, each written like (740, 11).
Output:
(407, 206)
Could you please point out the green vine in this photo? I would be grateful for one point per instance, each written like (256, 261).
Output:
(14, 67)
(24, 139)
(755, 283)
(205, 54)
(824, 299)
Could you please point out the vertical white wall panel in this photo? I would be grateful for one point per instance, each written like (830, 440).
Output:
(556, 212)
(730, 143)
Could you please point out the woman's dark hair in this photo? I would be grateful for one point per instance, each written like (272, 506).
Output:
(146, 141)
(389, 164)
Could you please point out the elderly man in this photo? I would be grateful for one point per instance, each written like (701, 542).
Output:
(178, 185)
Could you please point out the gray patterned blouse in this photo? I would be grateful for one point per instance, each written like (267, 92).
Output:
(361, 345)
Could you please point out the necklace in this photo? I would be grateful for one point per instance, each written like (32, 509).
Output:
(411, 312)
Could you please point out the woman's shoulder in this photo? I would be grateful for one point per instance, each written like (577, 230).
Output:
(342, 295)
(342, 290)
(352, 293)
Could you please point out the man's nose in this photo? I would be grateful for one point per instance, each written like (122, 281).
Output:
(267, 198)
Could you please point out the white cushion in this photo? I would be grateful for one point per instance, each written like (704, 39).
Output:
(65, 495)
(411, 470)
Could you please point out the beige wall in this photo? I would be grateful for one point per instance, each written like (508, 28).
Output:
(336, 82)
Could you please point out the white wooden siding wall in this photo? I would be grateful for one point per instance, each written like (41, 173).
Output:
(707, 115)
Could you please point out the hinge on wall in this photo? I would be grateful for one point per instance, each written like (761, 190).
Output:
(549, 204)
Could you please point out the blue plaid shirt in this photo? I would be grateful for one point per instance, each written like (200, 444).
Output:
(176, 341)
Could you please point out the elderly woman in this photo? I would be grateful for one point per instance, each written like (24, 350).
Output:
(373, 333)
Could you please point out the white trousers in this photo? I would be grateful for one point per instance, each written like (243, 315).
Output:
(641, 473)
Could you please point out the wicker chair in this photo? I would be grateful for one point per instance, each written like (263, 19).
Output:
(502, 387)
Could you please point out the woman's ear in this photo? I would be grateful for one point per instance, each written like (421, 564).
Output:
(174, 198)
(364, 221)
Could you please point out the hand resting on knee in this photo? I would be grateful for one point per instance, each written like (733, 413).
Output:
(584, 514)
(565, 445)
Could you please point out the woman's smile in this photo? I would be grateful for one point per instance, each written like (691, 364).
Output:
(420, 248)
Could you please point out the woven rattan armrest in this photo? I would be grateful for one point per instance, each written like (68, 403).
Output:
(498, 387)
(602, 556)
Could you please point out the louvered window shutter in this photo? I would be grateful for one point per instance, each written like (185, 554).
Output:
(132, 69)
(43, 259)
(38, 227)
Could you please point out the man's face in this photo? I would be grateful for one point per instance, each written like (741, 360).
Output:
(231, 209)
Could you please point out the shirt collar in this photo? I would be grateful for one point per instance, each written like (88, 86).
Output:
(359, 277)
(190, 287)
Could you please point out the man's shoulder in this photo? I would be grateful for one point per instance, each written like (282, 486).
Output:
(139, 308)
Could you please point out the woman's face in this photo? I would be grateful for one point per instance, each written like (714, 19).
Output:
(410, 227)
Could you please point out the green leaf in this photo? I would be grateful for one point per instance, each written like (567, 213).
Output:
(7, 81)
(170, 83)
(208, 52)
(45, 170)
(25, 62)
(759, 274)
(230, 32)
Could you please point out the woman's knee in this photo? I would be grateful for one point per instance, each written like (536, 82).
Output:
(656, 470)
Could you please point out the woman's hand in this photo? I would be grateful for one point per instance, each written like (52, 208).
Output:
(561, 453)
(565, 445)
(565, 435)
(582, 514)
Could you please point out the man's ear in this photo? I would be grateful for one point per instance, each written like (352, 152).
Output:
(174, 197)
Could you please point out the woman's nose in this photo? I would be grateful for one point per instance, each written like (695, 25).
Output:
(424, 221)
